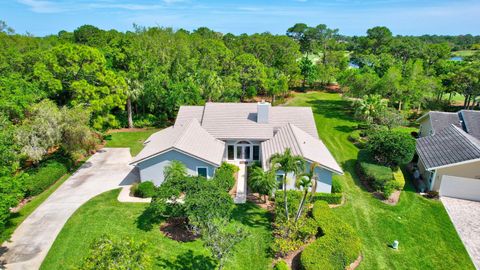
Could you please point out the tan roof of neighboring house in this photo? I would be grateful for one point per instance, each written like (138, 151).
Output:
(301, 143)
(188, 137)
(239, 120)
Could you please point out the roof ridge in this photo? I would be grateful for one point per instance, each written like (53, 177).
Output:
(290, 125)
(183, 132)
(472, 140)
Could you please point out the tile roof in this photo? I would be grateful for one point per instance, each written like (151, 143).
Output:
(301, 143)
(449, 146)
(442, 120)
(471, 120)
(239, 120)
(188, 137)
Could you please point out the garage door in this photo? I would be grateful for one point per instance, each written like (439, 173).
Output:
(459, 187)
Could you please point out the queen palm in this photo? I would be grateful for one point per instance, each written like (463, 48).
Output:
(305, 181)
(287, 163)
(261, 181)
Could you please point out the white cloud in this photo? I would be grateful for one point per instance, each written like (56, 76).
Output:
(41, 6)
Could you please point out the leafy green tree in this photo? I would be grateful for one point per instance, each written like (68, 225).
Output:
(307, 70)
(379, 38)
(251, 73)
(263, 182)
(287, 163)
(175, 170)
(77, 75)
(220, 239)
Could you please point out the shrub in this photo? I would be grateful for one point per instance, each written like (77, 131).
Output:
(354, 136)
(145, 190)
(399, 179)
(338, 246)
(147, 120)
(291, 235)
(293, 201)
(43, 176)
(336, 186)
(281, 265)
(107, 253)
(225, 176)
(391, 148)
(330, 198)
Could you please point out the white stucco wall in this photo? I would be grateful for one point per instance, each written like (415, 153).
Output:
(469, 170)
(152, 169)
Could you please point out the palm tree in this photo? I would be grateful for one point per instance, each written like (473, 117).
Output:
(175, 170)
(261, 181)
(287, 163)
(305, 181)
(369, 107)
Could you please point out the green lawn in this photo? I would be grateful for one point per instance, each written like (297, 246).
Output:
(464, 53)
(132, 139)
(427, 238)
(104, 214)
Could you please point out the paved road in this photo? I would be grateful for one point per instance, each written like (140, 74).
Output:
(105, 170)
(465, 216)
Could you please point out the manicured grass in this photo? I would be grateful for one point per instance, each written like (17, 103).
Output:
(105, 215)
(132, 139)
(427, 237)
(464, 53)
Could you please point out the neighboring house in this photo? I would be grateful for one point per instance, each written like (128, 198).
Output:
(449, 153)
(241, 133)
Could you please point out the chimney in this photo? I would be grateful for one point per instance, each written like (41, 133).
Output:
(263, 109)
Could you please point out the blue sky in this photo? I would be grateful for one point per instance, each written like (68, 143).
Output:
(352, 17)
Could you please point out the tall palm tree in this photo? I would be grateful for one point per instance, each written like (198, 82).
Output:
(287, 163)
(305, 181)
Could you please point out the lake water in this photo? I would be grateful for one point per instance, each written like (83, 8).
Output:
(456, 58)
(353, 65)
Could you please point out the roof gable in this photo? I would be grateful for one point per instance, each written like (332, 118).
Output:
(302, 144)
(471, 120)
(189, 138)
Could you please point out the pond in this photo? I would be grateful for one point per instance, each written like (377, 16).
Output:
(352, 65)
(456, 58)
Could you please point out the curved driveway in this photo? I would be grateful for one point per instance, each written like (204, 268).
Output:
(107, 169)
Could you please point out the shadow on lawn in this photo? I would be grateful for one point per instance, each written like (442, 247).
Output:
(147, 220)
(187, 261)
(339, 109)
(249, 215)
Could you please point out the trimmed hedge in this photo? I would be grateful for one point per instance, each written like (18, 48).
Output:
(379, 177)
(43, 176)
(330, 198)
(399, 179)
(336, 248)
(144, 190)
(281, 265)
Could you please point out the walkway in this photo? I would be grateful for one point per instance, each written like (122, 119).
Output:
(105, 170)
(465, 216)
(241, 196)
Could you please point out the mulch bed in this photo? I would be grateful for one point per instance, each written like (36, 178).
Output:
(177, 229)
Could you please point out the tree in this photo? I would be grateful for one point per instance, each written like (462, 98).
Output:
(108, 253)
(369, 107)
(287, 163)
(306, 181)
(251, 74)
(379, 37)
(40, 131)
(77, 75)
(220, 239)
(77, 139)
(175, 170)
(301, 33)
(307, 70)
(261, 181)
(392, 148)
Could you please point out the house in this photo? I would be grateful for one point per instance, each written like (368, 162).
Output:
(449, 153)
(241, 133)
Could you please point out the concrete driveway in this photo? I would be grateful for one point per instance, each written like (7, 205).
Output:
(465, 216)
(107, 169)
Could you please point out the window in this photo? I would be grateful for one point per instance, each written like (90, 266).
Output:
(230, 152)
(256, 152)
(239, 152)
(202, 171)
(279, 181)
(246, 153)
